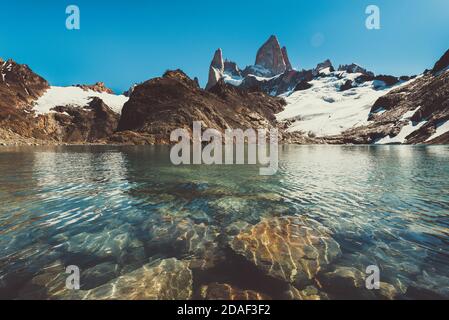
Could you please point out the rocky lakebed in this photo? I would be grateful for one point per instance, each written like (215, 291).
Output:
(139, 228)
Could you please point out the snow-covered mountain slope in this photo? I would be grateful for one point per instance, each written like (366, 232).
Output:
(325, 110)
(75, 96)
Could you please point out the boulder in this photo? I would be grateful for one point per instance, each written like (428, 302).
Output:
(290, 248)
(197, 241)
(303, 85)
(168, 279)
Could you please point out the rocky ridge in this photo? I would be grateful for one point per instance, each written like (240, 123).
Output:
(406, 109)
(97, 87)
(161, 105)
(410, 114)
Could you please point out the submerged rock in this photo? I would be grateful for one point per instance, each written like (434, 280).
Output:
(309, 293)
(168, 279)
(99, 274)
(342, 280)
(350, 283)
(110, 243)
(218, 291)
(50, 282)
(236, 227)
(429, 286)
(291, 248)
(387, 291)
(197, 241)
(231, 204)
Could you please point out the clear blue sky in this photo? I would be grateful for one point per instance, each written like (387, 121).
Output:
(122, 42)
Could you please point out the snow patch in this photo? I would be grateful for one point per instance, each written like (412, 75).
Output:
(235, 81)
(409, 114)
(441, 129)
(325, 71)
(261, 70)
(74, 96)
(405, 132)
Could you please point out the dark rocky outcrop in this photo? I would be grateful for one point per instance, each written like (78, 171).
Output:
(19, 86)
(346, 86)
(161, 105)
(303, 85)
(92, 123)
(442, 63)
(285, 82)
(97, 87)
(326, 64)
(387, 79)
(128, 92)
(232, 69)
(355, 68)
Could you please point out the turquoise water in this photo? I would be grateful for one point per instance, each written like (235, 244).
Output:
(108, 206)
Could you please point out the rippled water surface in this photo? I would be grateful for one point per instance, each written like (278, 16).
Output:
(111, 210)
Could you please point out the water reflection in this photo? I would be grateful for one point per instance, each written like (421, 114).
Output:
(110, 210)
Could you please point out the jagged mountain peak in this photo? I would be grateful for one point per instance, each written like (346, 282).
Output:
(216, 69)
(271, 61)
(271, 57)
(286, 58)
(217, 61)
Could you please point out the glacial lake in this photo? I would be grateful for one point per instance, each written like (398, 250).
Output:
(110, 210)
